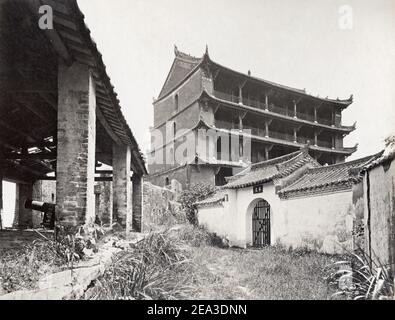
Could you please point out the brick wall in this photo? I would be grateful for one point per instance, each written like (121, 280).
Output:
(187, 93)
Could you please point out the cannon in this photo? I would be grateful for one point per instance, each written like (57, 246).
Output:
(47, 208)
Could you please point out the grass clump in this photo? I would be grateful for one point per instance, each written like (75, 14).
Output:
(155, 268)
(20, 269)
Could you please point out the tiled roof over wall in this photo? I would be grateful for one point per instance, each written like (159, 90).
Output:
(328, 178)
(216, 198)
(271, 169)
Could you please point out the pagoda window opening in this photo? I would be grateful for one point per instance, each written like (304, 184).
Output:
(174, 129)
(176, 106)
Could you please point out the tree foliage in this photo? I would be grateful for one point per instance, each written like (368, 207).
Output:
(188, 199)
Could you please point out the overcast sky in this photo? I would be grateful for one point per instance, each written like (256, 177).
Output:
(296, 43)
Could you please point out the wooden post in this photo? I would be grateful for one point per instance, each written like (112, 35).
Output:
(315, 138)
(295, 110)
(266, 102)
(266, 129)
(295, 136)
(266, 153)
(240, 122)
(240, 95)
(258, 96)
(315, 114)
(333, 117)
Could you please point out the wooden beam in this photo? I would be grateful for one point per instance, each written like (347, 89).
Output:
(27, 103)
(30, 156)
(51, 34)
(19, 132)
(14, 83)
(47, 97)
(106, 126)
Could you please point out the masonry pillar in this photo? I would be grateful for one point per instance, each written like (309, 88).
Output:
(105, 202)
(137, 200)
(23, 217)
(122, 192)
(1, 196)
(76, 146)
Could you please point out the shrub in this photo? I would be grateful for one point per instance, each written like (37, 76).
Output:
(197, 236)
(196, 192)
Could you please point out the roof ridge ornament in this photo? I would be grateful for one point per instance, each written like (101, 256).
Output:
(176, 51)
(206, 53)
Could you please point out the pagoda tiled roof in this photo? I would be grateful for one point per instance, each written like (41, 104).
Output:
(192, 63)
(183, 65)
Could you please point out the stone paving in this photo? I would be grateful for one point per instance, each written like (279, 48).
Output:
(71, 284)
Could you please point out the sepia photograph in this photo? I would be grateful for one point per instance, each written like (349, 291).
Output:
(205, 152)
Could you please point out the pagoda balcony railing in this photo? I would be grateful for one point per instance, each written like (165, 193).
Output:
(281, 136)
(226, 96)
(225, 124)
(324, 144)
(278, 110)
(305, 140)
(261, 132)
(305, 116)
(272, 108)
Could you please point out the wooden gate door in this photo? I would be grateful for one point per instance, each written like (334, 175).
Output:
(261, 224)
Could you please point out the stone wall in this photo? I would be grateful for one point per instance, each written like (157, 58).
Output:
(186, 175)
(380, 206)
(160, 209)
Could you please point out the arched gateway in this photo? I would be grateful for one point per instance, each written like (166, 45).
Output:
(261, 224)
